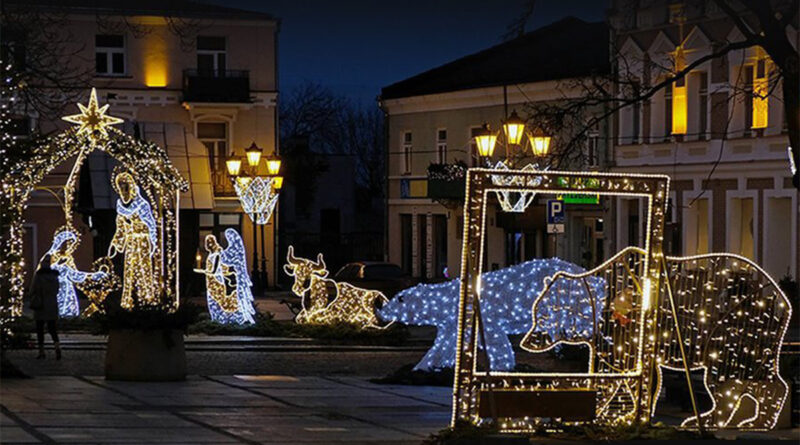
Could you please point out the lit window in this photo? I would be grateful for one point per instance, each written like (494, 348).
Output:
(679, 106)
(109, 55)
(760, 92)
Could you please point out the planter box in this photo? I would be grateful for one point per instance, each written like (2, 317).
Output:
(152, 355)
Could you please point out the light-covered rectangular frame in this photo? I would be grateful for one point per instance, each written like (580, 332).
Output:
(469, 382)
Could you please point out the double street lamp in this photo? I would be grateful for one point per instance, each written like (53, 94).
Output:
(258, 194)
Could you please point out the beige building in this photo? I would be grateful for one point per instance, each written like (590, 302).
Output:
(432, 118)
(198, 79)
(724, 147)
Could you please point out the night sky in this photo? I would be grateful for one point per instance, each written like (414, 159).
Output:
(358, 46)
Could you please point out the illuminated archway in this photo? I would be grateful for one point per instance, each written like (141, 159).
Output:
(149, 165)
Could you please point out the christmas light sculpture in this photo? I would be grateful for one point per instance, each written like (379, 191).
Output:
(525, 401)
(349, 304)
(224, 306)
(137, 238)
(515, 202)
(149, 165)
(93, 120)
(258, 195)
(234, 257)
(506, 299)
(61, 259)
(97, 290)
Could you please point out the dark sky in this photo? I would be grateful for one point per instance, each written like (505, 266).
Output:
(358, 46)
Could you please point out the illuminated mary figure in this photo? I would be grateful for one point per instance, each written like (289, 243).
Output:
(64, 243)
(137, 238)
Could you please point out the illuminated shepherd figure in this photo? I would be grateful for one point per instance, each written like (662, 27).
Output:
(224, 306)
(348, 304)
(732, 319)
(507, 296)
(64, 243)
(137, 238)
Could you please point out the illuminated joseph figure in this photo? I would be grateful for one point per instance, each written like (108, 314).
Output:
(151, 176)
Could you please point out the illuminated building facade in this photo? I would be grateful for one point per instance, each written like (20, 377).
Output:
(707, 122)
(197, 79)
(432, 118)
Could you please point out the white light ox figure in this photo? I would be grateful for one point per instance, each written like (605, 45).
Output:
(345, 304)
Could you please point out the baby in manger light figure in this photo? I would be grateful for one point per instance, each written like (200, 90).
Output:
(222, 265)
(137, 238)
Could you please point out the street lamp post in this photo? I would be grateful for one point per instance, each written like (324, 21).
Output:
(258, 195)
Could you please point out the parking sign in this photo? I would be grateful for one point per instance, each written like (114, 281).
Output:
(555, 216)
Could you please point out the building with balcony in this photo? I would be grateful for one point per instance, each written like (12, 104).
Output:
(432, 118)
(198, 79)
(720, 133)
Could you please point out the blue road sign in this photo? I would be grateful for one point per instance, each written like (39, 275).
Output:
(555, 211)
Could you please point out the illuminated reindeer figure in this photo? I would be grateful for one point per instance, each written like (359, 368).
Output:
(346, 304)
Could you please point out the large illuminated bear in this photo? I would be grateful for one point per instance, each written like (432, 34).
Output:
(732, 317)
(507, 296)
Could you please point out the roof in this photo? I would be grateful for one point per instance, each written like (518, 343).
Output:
(565, 49)
(175, 8)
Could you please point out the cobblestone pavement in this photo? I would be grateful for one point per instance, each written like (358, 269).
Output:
(254, 409)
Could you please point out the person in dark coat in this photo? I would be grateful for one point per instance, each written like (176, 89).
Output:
(44, 302)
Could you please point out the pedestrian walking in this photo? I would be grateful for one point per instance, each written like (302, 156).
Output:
(44, 302)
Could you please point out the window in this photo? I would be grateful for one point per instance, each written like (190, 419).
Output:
(760, 95)
(406, 254)
(740, 227)
(211, 57)
(407, 153)
(667, 111)
(702, 127)
(592, 148)
(441, 146)
(214, 135)
(748, 104)
(636, 130)
(109, 54)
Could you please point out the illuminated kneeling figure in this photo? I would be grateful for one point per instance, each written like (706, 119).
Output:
(235, 306)
(507, 296)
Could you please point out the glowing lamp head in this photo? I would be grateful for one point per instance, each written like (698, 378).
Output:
(234, 165)
(273, 165)
(253, 154)
(277, 182)
(485, 140)
(540, 144)
(514, 128)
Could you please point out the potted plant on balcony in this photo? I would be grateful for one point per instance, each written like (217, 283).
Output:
(446, 182)
(146, 343)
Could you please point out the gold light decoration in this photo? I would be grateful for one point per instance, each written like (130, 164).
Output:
(761, 94)
(93, 119)
(258, 196)
(625, 383)
(350, 304)
(160, 182)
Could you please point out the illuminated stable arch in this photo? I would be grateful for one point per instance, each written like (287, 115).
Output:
(159, 181)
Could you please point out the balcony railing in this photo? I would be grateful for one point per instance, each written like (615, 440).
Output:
(216, 85)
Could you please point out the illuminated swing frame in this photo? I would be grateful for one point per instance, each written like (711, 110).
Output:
(475, 393)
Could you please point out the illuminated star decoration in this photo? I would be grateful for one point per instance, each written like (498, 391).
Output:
(93, 119)
(507, 296)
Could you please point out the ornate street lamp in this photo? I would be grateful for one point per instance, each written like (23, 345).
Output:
(515, 138)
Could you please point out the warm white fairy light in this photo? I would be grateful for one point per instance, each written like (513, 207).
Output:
(350, 304)
(515, 202)
(222, 266)
(258, 195)
(506, 298)
(93, 119)
(618, 390)
(146, 161)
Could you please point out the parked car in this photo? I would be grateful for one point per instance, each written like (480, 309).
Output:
(387, 278)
